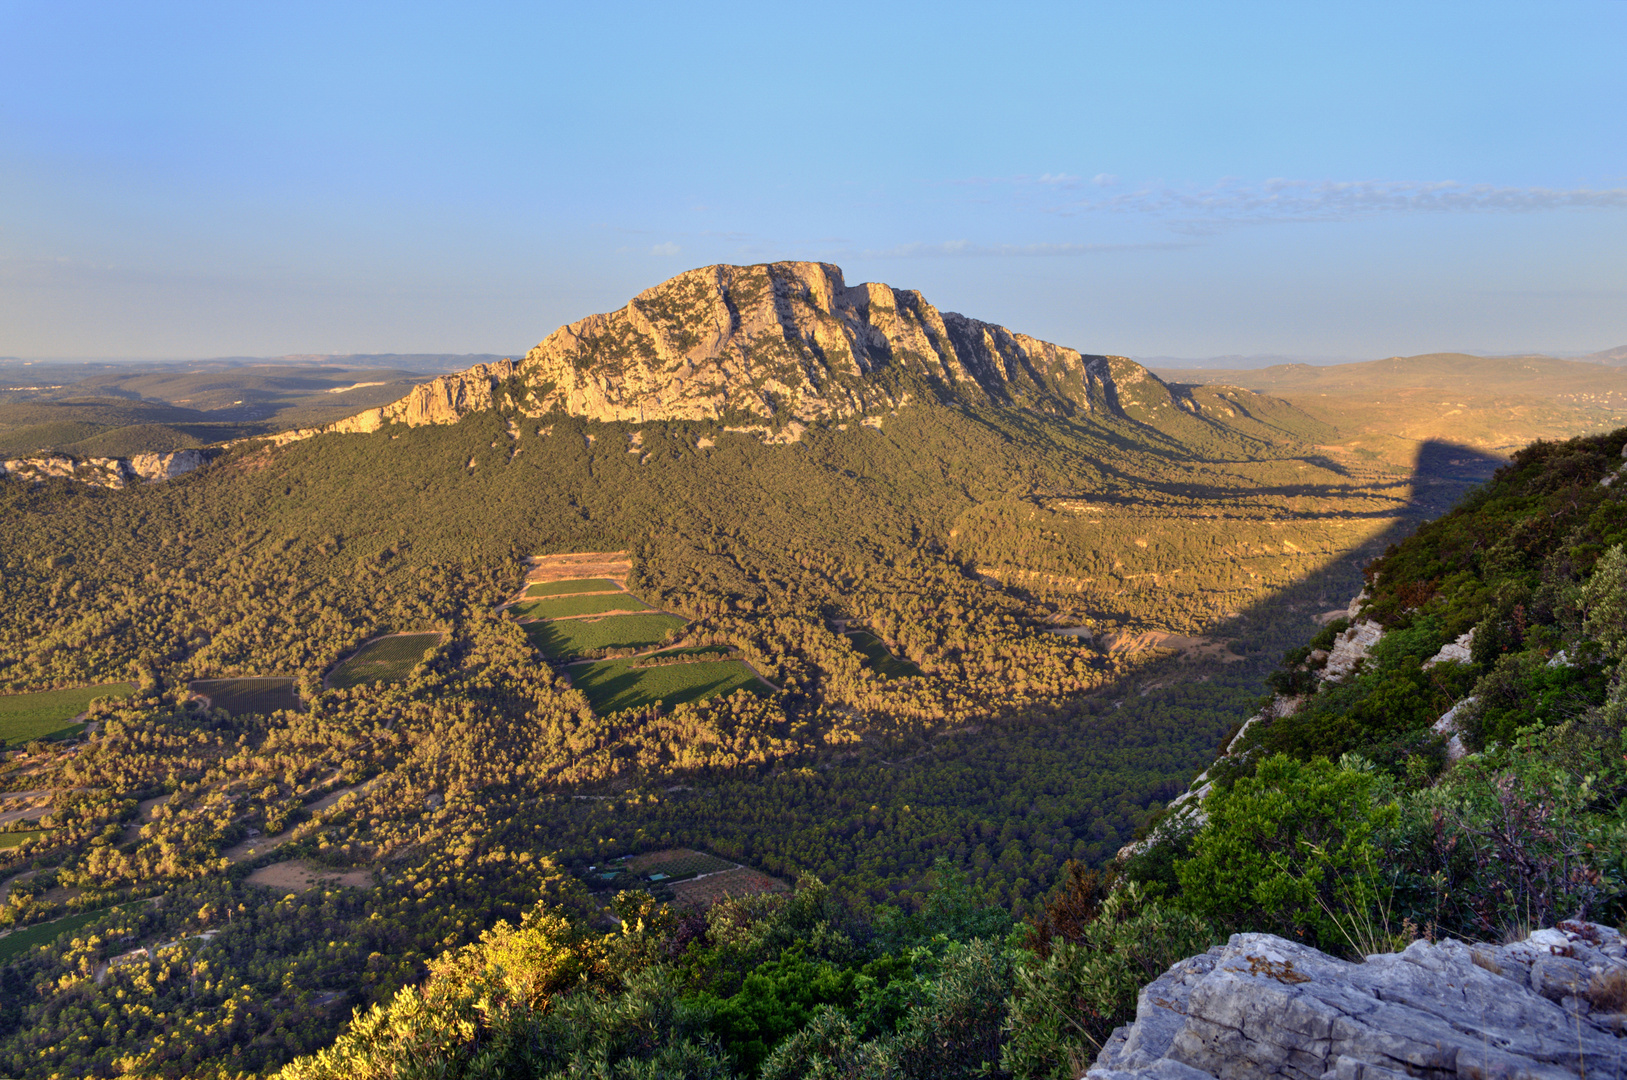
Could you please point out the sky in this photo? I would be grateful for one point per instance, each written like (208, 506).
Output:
(1151, 179)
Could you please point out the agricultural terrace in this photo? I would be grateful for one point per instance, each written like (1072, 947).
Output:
(566, 638)
(880, 659)
(240, 697)
(49, 714)
(572, 587)
(385, 659)
(568, 607)
(614, 685)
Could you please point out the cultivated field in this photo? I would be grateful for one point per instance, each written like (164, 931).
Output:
(697, 879)
(574, 637)
(613, 685)
(384, 659)
(881, 661)
(49, 713)
(678, 863)
(252, 695)
(575, 585)
(295, 876)
(706, 891)
(577, 565)
(564, 607)
(17, 839)
(18, 942)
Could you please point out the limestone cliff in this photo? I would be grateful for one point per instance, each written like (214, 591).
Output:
(110, 472)
(791, 341)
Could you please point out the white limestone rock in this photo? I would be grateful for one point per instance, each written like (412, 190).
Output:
(1261, 1006)
(1350, 649)
(1453, 651)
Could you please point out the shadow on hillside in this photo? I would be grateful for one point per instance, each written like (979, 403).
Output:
(1165, 720)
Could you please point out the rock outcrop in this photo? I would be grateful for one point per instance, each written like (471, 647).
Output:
(1545, 1008)
(109, 472)
(792, 341)
(445, 399)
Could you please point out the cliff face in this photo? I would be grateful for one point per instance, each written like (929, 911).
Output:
(109, 472)
(444, 400)
(792, 341)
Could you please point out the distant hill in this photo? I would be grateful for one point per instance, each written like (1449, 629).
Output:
(1388, 407)
(99, 408)
(1617, 355)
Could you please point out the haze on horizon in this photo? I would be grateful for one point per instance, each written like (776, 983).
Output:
(1184, 181)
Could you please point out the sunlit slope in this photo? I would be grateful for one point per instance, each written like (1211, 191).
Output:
(1386, 407)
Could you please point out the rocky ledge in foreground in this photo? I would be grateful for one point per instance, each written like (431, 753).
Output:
(1550, 1006)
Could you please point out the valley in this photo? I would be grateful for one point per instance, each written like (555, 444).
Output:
(815, 581)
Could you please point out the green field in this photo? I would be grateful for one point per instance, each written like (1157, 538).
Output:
(881, 661)
(251, 695)
(383, 660)
(18, 942)
(566, 588)
(560, 607)
(613, 685)
(17, 839)
(574, 637)
(47, 715)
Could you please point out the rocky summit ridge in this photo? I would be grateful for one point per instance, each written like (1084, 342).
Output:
(775, 347)
(791, 341)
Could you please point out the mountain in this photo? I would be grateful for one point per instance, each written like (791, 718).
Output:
(1617, 356)
(775, 348)
(792, 342)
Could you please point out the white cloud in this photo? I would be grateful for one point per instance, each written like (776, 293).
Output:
(1234, 201)
(668, 248)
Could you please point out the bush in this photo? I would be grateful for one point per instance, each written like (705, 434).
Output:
(1067, 1002)
(1290, 850)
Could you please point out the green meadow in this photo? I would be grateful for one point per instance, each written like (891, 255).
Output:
(613, 685)
(881, 661)
(383, 660)
(18, 942)
(566, 588)
(49, 713)
(576, 637)
(561, 607)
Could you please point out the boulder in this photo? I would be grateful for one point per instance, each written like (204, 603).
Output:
(1545, 1008)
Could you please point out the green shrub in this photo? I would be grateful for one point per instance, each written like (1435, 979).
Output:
(1290, 850)
(1067, 1003)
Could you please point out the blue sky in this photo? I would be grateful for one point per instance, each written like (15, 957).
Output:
(1150, 178)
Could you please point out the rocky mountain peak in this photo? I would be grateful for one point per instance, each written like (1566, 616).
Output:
(792, 341)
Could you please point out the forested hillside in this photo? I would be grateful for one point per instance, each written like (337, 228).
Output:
(203, 890)
(1449, 784)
